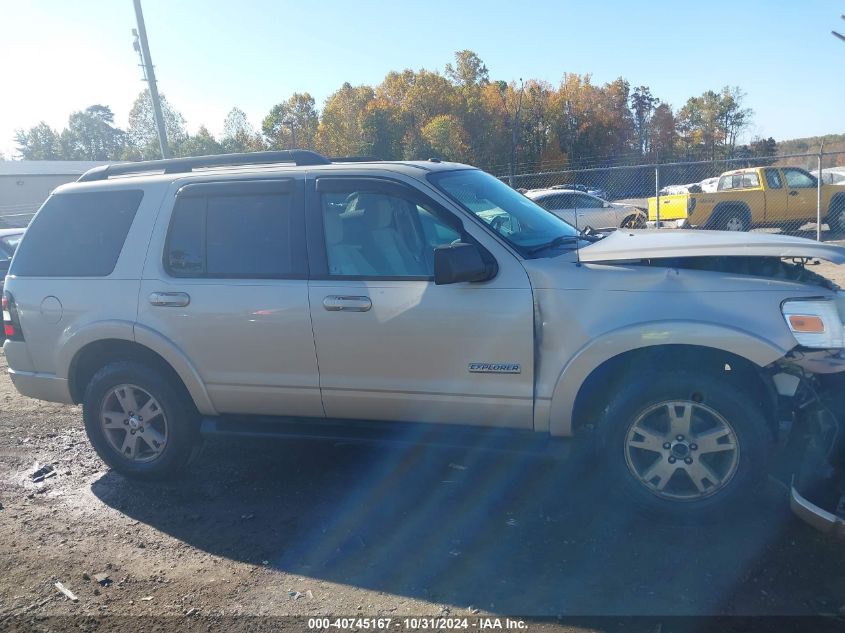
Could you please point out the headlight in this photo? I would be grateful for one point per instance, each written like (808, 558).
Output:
(814, 323)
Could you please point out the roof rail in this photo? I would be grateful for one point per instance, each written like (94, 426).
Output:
(186, 165)
(355, 159)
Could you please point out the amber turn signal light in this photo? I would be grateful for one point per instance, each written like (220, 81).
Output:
(806, 323)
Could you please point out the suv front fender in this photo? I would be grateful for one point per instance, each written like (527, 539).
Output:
(759, 351)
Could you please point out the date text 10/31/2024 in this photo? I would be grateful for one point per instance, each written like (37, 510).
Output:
(417, 623)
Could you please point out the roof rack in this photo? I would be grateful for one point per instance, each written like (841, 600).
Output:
(355, 159)
(186, 165)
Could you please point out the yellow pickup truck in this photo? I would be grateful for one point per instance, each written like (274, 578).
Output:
(755, 196)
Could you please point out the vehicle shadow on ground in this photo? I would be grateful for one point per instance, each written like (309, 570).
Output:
(501, 532)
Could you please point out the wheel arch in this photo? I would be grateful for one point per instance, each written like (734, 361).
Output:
(635, 214)
(590, 374)
(96, 354)
(726, 206)
(836, 204)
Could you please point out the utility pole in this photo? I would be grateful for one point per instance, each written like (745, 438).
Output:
(657, 191)
(143, 47)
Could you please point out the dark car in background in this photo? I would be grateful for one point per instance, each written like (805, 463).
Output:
(9, 240)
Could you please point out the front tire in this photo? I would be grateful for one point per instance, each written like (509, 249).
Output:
(633, 222)
(683, 446)
(836, 215)
(139, 424)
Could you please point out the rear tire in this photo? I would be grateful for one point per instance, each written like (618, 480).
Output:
(683, 446)
(731, 219)
(140, 424)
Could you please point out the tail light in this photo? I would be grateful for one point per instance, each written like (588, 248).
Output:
(11, 322)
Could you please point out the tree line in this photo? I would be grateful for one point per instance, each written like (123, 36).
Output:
(460, 114)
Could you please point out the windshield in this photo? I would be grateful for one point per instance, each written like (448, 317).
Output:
(517, 219)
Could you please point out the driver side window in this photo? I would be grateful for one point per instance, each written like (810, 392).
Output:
(381, 234)
(797, 179)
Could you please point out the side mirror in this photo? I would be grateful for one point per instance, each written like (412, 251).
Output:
(460, 262)
(607, 205)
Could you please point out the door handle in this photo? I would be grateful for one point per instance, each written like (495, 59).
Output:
(170, 299)
(793, 193)
(336, 303)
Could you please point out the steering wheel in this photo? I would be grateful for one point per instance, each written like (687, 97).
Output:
(497, 223)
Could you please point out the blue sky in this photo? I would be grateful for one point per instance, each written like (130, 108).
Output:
(210, 55)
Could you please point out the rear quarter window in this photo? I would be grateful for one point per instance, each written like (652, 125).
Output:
(739, 181)
(77, 235)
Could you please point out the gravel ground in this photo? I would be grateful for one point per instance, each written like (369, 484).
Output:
(308, 528)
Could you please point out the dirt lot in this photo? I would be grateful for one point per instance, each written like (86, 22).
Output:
(276, 528)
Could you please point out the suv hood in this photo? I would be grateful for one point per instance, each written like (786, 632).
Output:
(664, 243)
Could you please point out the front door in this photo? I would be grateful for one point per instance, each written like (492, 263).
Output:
(801, 203)
(776, 196)
(391, 344)
(226, 283)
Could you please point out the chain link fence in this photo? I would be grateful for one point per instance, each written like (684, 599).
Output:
(780, 194)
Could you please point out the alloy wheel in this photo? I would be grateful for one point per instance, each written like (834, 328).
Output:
(133, 423)
(682, 450)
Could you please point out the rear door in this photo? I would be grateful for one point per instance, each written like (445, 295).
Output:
(226, 282)
(391, 344)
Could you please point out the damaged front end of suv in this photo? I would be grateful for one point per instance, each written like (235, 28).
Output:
(809, 380)
(814, 454)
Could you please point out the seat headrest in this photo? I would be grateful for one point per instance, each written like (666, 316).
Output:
(378, 212)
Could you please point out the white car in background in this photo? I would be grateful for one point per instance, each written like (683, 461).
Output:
(583, 209)
(831, 175)
(709, 185)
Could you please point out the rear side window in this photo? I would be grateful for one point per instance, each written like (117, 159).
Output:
(739, 181)
(588, 202)
(556, 202)
(77, 234)
(236, 236)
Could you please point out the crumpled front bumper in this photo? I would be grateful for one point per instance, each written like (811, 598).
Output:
(816, 516)
(817, 494)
